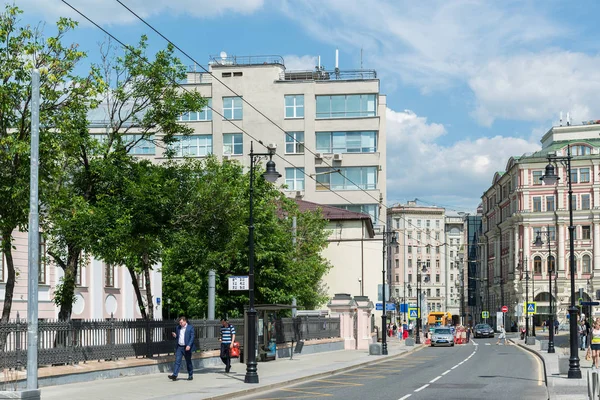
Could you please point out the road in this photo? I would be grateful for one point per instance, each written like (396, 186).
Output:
(478, 370)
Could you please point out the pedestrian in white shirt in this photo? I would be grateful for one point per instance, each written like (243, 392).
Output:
(502, 336)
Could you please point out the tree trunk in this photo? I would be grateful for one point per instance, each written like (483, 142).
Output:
(138, 293)
(66, 305)
(10, 276)
(149, 293)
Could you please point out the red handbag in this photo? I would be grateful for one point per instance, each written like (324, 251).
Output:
(234, 352)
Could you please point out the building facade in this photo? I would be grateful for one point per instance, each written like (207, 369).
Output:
(518, 207)
(455, 265)
(329, 131)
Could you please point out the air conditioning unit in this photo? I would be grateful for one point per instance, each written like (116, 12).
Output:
(226, 157)
(319, 155)
(337, 157)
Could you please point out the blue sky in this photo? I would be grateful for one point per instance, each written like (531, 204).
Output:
(468, 83)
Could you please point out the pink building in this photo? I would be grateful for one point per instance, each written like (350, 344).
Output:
(518, 206)
(101, 289)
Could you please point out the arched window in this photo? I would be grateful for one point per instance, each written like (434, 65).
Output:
(586, 264)
(579, 150)
(537, 265)
(551, 265)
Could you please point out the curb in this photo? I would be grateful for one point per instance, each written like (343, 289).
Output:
(245, 392)
(538, 355)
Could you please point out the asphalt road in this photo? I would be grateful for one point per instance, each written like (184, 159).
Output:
(478, 370)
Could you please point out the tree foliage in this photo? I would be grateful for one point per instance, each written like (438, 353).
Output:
(211, 233)
(64, 99)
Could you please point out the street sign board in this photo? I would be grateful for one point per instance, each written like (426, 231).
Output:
(485, 314)
(238, 283)
(388, 307)
(590, 303)
(378, 306)
(403, 308)
(413, 313)
(531, 308)
(504, 309)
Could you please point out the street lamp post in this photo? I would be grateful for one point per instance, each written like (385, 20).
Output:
(526, 300)
(539, 242)
(270, 175)
(386, 242)
(550, 178)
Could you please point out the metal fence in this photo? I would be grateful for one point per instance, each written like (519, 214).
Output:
(74, 341)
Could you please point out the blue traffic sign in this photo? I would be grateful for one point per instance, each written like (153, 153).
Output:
(590, 303)
(403, 307)
(414, 314)
(379, 306)
(388, 307)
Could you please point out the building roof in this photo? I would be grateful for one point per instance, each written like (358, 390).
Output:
(332, 213)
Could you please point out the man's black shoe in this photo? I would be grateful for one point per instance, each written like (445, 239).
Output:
(173, 377)
(190, 378)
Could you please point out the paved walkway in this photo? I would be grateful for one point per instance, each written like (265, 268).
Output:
(213, 383)
(559, 386)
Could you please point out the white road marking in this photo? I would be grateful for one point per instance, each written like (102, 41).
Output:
(488, 344)
(444, 373)
(421, 388)
(456, 366)
(435, 379)
(404, 397)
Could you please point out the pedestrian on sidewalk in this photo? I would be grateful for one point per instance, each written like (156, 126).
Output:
(184, 333)
(556, 325)
(502, 336)
(468, 333)
(595, 343)
(404, 330)
(582, 335)
(227, 339)
(410, 328)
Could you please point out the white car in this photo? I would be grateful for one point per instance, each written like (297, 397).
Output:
(442, 337)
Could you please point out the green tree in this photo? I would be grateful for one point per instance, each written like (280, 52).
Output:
(63, 96)
(211, 233)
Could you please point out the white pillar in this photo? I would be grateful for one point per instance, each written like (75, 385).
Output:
(561, 247)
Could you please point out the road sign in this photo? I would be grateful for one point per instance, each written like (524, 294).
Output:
(531, 308)
(388, 307)
(504, 309)
(485, 314)
(413, 313)
(238, 283)
(378, 306)
(403, 307)
(590, 303)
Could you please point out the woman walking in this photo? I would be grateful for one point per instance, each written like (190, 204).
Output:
(502, 335)
(595, 343)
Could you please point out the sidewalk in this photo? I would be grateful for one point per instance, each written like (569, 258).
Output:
(213, 383)
(559, 386)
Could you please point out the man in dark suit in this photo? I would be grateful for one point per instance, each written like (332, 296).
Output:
(184, 333)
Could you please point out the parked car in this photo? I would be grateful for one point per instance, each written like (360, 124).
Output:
(483, 330)
(442, 337)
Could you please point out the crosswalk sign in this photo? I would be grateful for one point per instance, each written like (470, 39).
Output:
(531, 308)
(413, 313)
(485, 314)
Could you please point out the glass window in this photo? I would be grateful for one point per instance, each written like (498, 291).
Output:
(579, 150)
(232, 107)
(410, 263)
(233, 144)
(409, 277)
(294, 106)
(574, 201)
(294, 142)
(537, 265)
(349, 178)
(586, 232)
(42, 260)
(549, 203)
(193, 146)
(573, 175)
(552, 231)
(418, 223)
(437, 293)
(584, 175)
(537, 204)
(137, 144)
(585, 201)
(536, 175)
(346, 142)
(586, 264)
(294, 178)
(409, 248)
(204, 115)
(346, 106)
(550, 264)
(371, 209)
(437, 278)
(109, 275)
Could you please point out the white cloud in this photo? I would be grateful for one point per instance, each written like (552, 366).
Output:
(503, 51)
(111, 12)
(419, 167)
(300, 63)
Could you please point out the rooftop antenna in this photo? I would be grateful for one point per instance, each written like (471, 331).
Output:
(561, 118)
